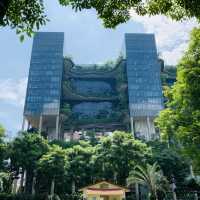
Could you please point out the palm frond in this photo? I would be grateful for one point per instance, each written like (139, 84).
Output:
(150, 176)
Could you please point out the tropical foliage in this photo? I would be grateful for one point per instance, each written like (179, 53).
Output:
(180, 121)
(24, 153)
(52, 167)
(150, 176)
(170, 160)
(61, 168)
(27, 16)
(2, 147)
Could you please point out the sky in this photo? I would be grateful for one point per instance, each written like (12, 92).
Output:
(86, 41)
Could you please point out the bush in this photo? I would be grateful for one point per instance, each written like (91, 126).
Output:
(21, 197)
(75, 196)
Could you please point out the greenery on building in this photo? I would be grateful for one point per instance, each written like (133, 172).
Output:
(168, 75)
(112, 73)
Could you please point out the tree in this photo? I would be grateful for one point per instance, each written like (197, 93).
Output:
(150, 176)
(170, 160)
(92, 137)
(113, 13)
(5, 178)
(25, 16)
(180, 121)
(5, 182)
(80, 171)
(52, 166)
(3, 146)
(116, 155)
(25, 151)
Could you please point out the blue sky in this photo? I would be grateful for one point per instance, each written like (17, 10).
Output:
(87, 41)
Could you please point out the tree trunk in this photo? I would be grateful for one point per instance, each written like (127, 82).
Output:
(153, 196)
(73, 187)
(4, 4)
(137, 193)
(14, 186)
(191, 171)
(29, 182)
(174, 195)
(33, 186)
(22, 181)
(52, 187)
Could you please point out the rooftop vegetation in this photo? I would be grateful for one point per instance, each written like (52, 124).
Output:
(115, 76)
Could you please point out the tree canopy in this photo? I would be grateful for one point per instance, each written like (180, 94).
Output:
(179, 122)
(24, 153)
(116, 155)
(3, 146)
(113, 13)
(27, 16)
(150, 176)
(65, 167)
(170, 160)
(53, 166)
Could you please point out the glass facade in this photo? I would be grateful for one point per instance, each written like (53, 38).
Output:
(143, 75)
(92, 87)
(92, 109)
(45, 75)
(94, 95)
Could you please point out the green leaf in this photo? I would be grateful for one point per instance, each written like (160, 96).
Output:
(21, 38)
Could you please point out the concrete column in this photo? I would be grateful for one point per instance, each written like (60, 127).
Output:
(148, 128)
(29, 125)
(57, 127)
(60, 132)
(132, 127)
(40, 124)
(23, 123)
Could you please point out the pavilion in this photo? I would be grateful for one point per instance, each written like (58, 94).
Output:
(104, 191)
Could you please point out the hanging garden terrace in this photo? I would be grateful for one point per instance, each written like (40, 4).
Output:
(94, 97)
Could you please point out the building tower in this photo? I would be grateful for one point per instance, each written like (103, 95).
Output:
(63, 97)
(144, 83)
(42, 105)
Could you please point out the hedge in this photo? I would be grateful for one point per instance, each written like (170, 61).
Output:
(21, 197)
(3, 196)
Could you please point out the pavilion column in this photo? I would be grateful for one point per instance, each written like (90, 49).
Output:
(40, 123)
(57, 127)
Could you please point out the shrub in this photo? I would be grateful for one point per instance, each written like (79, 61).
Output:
(21, 197)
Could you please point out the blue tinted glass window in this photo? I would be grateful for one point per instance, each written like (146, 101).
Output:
(45, 74)
(143, 74)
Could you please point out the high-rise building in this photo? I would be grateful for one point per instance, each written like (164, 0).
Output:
(64, 98)
(144, 83)
(42, 105)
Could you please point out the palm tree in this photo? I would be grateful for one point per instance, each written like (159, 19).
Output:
(150, 176)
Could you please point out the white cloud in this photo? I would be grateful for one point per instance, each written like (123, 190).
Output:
(171, 36)
(13, 91)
